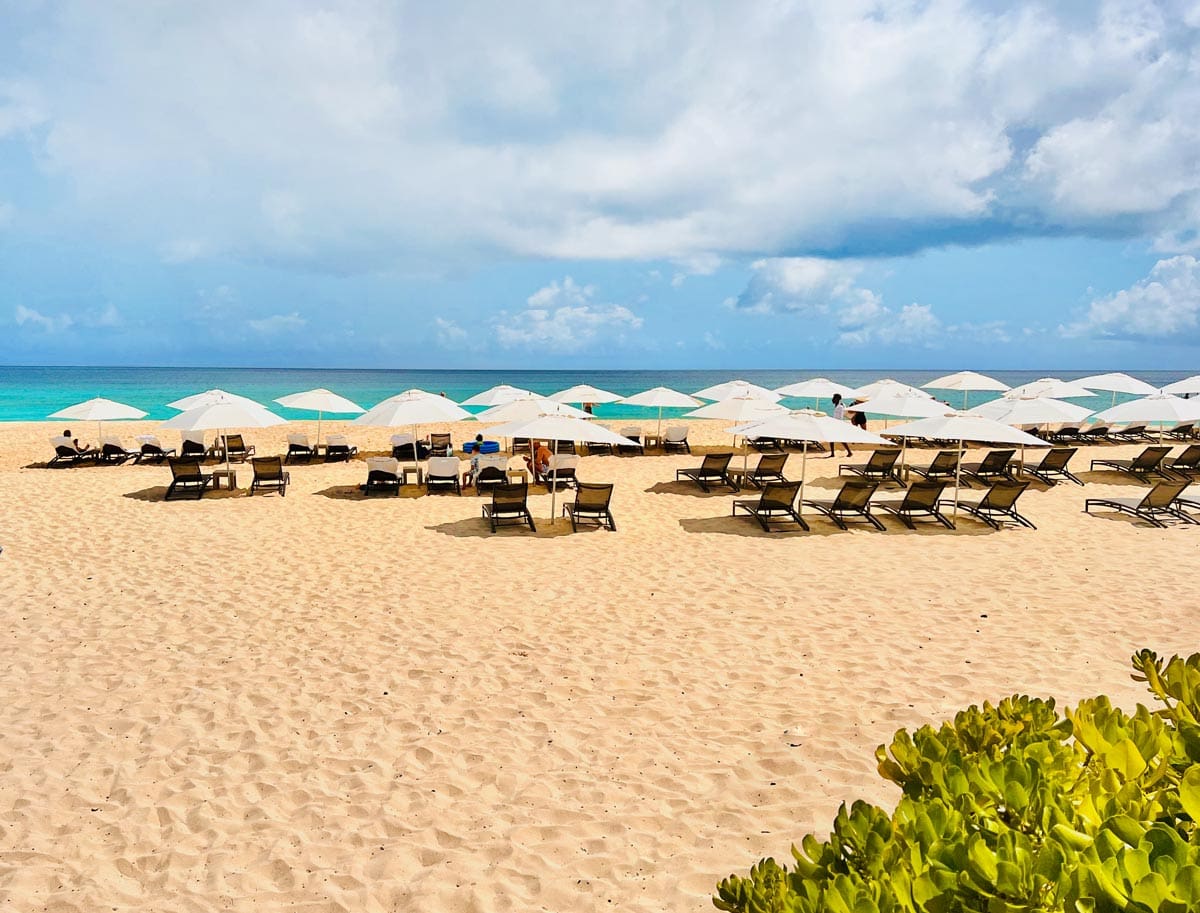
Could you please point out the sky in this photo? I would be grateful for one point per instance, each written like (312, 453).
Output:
(613, 184)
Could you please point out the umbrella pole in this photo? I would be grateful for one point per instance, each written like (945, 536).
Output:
(660, 424)
(416, 467)
(803, 468)
(318, 447)
(964, 400)
(903, 451)
(553, 482)
(957, 480)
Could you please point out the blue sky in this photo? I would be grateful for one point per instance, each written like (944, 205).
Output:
(823, 184)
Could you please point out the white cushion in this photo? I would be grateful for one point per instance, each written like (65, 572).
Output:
(443, 466)
(399, 440)
(338, 440)
(563, 461)
(300, 440)
(677, 433)
(494, 461)
(383, 464)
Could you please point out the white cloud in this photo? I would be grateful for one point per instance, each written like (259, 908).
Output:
(449, 334)
(371, 135)
(278, 323)
(26, 316)
(562, 317)
(1163, 306)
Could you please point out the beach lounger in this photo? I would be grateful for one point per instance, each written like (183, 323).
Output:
(713, 469)
(298, 448)
(493, 471)
(440, 445)
(521, 445)
(592, 500)
(187, 481)
(236, 450)
(769, 469)
(944, 466)
(192, 449)
(1161, 501)
(1148, 462)
(994, 467)
(766, 444)
(1184, 432)
(269, 475)
(599, 449)
(562, 447)
(920, 501)
(405, 448)
(1131, 433)
(508, 506)
(777, 503)
(338, 448)
(854, 500)
(65, 453)
(999, 503)
(152, 450)
(1065, 433)
(634, 434)
(383, 475)
(880, 468)
(1054, 466)
(1187, 464)
(444, 474)
(675, 439)
(560, 472)
(112, 451)
(1096, 434)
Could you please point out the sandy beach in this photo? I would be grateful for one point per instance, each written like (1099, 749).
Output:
(322, 702)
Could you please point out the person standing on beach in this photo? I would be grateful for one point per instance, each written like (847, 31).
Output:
(839, 412)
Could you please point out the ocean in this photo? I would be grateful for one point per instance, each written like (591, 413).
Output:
(33, 393)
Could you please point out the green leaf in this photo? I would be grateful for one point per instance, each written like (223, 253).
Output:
(1189, 792)
(1125, 758)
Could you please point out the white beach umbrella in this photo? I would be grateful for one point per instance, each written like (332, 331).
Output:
(1117, 382)
(320, 401)
(561, 428)
(815, 388)
(527, 407)
(962, 427)
(410, 410)
(966, 381)
(1159, 409)
(887, 386)
(662, 398)
(99, 410)
(497, 395)
(417, 393)
(1189, 385)
(1054, 388)
(210, 397)
(221, 413)
(1030, 410)
(900, 404)
(809, 426)
(584, 393)
(740, 409)
(737, 389)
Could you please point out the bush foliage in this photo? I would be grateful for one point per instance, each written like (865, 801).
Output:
(1015, 808)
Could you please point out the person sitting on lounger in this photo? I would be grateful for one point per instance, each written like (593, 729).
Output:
(839, 412)
(469, 478)
(74, 442)
(540, 462)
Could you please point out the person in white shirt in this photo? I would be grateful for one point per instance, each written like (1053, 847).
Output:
(839, 412)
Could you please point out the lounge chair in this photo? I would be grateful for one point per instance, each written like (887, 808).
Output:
(944, 466)
(492, 472)
(994, 467)
(407, 449)
(1065, 433)
(776, 503)
(187, 481)
(599, 449)
(236, 449)
(854, 500)
(508, 506)
(192, 449)
(634, 434)
(766, 444)
(769, 469)
(440, 445)
(152, 450)
(1096, 433)
(998, 504)
(562, 447)
(1054, 466)
(299, 448)
(675, 439)
(561, 471)
(1184, 432)
(1148, 462)
(269, 475)
(920, 501)
(443, 474)
(112, 451)
(880, 468)
(65, 453)
(383, 475)
(592, 500)
(521, 445)
(714, 468)
(338, 448)
(1160, 501)
(1187, 464)
(1131, 433)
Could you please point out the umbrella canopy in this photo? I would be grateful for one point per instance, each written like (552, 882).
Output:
(809, 426)
(1187, 385)
(412, 408)
(737, 388)
(99, 410)
(966, 380)
(528, 407)
(584, 393)
(1030, 410)
(900, 404)
(497, 395)
(739, 409)
(814, 388)
(662, 397)
(1054, 388)
(210, 396)
(224, 412)
(1116, 383)
(1161, 408)
(320, 400)
(887, 385)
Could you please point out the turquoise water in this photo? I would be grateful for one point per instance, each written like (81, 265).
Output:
(31, 393)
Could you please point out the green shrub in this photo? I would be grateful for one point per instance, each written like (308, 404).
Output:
(1015, 808)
